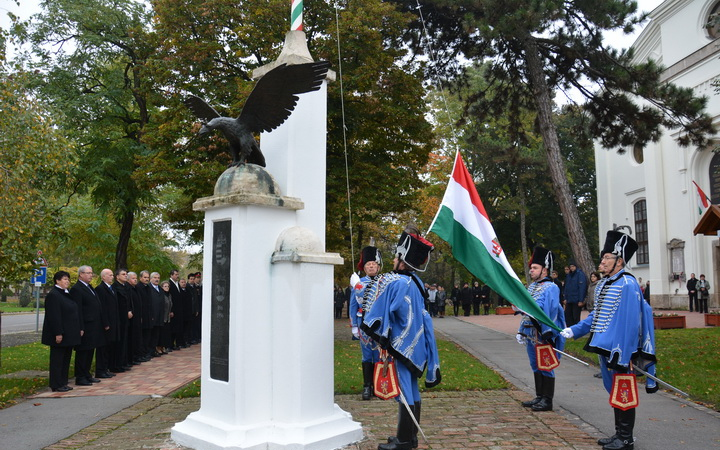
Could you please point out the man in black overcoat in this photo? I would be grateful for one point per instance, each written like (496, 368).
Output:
(122, 291)
(107, 355)
(61, 330)
(157, 307)
(176, 322)
(197, 309)
(136, 350)
(92, 322)
(186, 297)
(147, 317)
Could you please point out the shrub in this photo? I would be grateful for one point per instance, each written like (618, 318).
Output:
(25, 295)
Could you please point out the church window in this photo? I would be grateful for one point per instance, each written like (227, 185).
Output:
(641, 232)
(713, 22)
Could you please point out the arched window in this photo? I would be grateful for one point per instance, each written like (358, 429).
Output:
(637, 153)
(714, 176)
(713, 22)
(641, 232)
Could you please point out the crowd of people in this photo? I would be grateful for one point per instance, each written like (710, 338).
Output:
(125, 320)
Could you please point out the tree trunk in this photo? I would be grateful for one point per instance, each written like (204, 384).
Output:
(121, 251)
(556, 166)
(523, 235)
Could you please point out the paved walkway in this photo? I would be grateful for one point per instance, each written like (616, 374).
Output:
(494, 420)
(159, 376)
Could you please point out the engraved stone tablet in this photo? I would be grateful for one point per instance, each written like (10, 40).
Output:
(220, 301)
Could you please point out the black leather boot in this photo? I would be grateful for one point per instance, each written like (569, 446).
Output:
(548, 392)
(624, 439)
(416, 412)
(607, 440)
(368, 369)
(405, 429)
(538, 390)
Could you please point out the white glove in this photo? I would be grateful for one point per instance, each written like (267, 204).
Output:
(354, 279)
(515, 308)
(567, 333)
(520, 339)
(356, 332)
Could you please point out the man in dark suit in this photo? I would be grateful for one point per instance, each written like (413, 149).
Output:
(176, 323)
(186, 295)
(107, 354)
(136, 350)
(197, 309)
(122, 291)
(92, 324)
(157, 305)
(147, 317)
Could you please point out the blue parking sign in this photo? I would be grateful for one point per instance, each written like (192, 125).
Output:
(40, 275)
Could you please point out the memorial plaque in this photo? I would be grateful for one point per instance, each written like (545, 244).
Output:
(220, 301)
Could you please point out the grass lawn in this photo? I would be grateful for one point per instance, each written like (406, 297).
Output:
(687, 359)
(11, 307)
(460, 371)
(24, 357)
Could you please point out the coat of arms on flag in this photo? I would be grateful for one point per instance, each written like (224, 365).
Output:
(624, 394)
(463, 222)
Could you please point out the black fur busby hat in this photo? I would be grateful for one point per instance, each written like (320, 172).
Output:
(369, 253)
(414, 250)
(544, 257)
(619, 244)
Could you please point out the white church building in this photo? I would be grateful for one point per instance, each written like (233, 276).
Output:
(650, 191)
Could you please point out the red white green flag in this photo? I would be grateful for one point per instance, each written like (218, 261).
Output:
(703, 200)
(463, 223)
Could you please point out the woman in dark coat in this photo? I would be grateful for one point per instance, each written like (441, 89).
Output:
(61, 330)
(166, 332)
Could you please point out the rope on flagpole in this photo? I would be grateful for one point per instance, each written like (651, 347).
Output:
(344, 132)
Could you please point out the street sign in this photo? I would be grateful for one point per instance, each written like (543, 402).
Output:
(40, 276)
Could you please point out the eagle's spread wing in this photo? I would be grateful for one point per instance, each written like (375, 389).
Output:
(201, 109)
(274, 96)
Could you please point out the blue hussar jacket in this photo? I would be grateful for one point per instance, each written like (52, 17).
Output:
(621, 324)
(360, 299)
(398, 321)
(547, 296)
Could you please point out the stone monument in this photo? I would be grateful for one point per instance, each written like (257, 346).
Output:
(267, 344)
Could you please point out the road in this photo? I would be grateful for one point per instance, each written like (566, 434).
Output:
(18, 323)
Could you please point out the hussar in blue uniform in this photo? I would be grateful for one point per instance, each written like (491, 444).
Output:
(398, 321)
(360, 302)
(621, 330)
(532, 333)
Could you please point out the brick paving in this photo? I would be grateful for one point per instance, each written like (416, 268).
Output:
(492, 420)
(159, 376)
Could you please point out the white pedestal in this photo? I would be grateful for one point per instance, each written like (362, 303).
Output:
(269, 384)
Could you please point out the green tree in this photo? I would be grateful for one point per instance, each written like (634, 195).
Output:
(211, 48)
(537, 47)
(36, 165)
(90, 61)
(88, 237)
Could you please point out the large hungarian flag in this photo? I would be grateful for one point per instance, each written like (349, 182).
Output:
(703, 200)
(463, 223)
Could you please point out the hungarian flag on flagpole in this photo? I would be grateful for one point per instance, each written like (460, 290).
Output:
(703, 200)
(463, 223)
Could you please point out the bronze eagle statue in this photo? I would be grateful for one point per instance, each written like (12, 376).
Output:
(270, 103)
